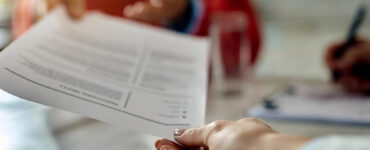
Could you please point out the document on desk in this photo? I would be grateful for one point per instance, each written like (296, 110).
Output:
(319, 103)
(114, 70)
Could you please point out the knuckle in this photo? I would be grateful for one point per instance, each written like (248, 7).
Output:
(219, 125)
(255, 121)
(190, 132)
(250, 119)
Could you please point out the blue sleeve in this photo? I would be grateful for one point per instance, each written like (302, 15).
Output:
(339, 143)
(190, 18)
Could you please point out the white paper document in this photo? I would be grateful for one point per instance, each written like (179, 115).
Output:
(321, 103)
(125, 73)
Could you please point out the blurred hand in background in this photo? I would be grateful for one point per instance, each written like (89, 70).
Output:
(151, 11)
(156, 11)
(353, 68)
(75, 8)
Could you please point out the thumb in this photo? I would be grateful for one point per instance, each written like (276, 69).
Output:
(331, 62)
(199, 136)
(76, 8)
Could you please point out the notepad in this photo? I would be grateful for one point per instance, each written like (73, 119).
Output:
(315, 103)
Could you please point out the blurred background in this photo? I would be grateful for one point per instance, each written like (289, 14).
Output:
(296, 34)
(5, 22)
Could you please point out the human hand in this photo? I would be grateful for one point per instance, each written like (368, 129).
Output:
(75, 8)
(245, 134)
(156, 11)
(353, 68)
(151, 11)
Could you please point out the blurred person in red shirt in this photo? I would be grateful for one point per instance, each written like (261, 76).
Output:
(186, 16)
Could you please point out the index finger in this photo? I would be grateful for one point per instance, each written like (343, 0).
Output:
(164, 143)
(200, 136)
(76, 8)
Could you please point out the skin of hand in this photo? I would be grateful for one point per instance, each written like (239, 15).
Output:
(75, 8)
(244, 134)
(354, 66)
(156, 11)
(151, 11)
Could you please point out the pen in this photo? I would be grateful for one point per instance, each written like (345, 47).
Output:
(351, 37)
(269, 100)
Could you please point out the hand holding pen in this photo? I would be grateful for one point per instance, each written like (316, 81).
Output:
(349, 61)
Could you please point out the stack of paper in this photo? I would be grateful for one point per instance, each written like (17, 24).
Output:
(315, 103)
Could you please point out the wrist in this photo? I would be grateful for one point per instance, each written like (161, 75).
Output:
(276, 141)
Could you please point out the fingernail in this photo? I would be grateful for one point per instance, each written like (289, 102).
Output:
(166, 148)
(128, 12)
(178, 132)
(157, 144)
(163, 148)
